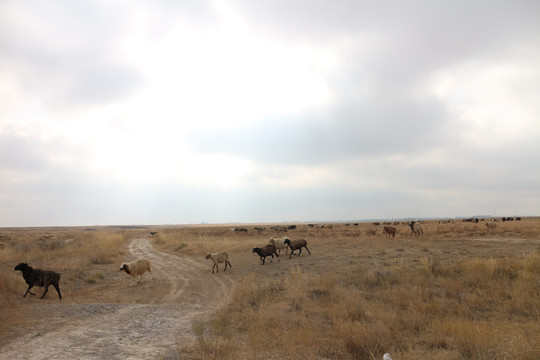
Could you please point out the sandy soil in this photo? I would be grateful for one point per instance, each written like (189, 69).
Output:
(154, 327)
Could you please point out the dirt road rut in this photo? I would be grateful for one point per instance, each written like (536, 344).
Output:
(184, 292)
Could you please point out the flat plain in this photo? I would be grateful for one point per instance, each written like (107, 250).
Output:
(459, 291)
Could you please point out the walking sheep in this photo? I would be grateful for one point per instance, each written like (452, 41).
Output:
(280, 244)
(218, 258)
(36, 277)
(268, 250)
(297, 245)
(389, 231)
(137, 268)
(416, 228)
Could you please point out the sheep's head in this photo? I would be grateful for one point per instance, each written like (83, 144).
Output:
(255, 250)
(208, 256)
(287, 241)
(21, 266)
(125, 268)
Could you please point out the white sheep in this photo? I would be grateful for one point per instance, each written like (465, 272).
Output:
(218, 258)
(387, 357)
(137, 268)
(279, 243)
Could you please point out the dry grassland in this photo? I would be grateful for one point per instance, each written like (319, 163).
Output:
(460, 291)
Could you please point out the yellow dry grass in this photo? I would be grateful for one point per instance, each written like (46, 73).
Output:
(461, 291)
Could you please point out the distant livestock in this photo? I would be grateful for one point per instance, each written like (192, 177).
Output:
(389, 231)
(137, 268)
(219, 258)
(240, 229)
(42, 278)
(268, 250)
(416, 228)
(491, 225)
(297, 245)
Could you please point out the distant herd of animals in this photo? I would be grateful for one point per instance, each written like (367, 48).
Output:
(137, 268)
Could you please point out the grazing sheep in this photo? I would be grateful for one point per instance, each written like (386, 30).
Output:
(280, 244)
(491, 225)
(36, 277)
(137, 268)
(389, 231)
(218, 258)
(268, 250)
(416, 228)
(297, 245)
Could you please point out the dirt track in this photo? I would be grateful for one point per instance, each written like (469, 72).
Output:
(156, 326)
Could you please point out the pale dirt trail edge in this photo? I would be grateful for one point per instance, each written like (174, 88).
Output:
(130, 330)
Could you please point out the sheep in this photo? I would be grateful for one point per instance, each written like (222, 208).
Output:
(36, 277)
(389, 231)
(137, 267)
(218, 258)
(416, 228)
(387, 357)
(297, 244)
(491, 225)
(280, 244)
(268, 250)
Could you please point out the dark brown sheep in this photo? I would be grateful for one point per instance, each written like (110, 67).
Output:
(268, 250)
(36, 277)
(297, 245)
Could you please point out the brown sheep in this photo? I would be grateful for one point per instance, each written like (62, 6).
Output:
(389, 231)
(297, 245)
(268, 250)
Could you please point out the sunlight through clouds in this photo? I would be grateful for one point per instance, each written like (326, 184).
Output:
(491, 102)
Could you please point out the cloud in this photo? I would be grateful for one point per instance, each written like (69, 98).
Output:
(226, 111)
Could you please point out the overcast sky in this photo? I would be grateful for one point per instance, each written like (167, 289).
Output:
(174, 112)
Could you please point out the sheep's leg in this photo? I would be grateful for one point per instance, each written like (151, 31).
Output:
(45, 292)
(28, 291)
(299, 252)
(57, 290)
(308, 250)
(217, 267)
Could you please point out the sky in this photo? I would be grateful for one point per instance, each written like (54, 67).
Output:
(184, 112)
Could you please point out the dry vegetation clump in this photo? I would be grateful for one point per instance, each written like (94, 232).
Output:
(199, 241)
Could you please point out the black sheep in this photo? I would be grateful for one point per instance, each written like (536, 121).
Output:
(268, 250)
(36, 277)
